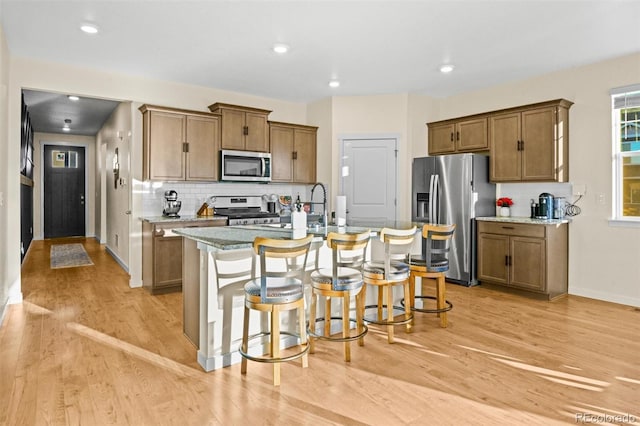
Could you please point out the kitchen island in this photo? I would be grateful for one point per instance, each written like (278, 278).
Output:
(213, 313)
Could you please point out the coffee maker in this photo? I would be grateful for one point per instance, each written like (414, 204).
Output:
(171, 204)
(545, 206)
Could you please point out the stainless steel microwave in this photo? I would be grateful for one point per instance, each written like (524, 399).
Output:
(245, 166)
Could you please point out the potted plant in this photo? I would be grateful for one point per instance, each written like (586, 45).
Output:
(504, 203)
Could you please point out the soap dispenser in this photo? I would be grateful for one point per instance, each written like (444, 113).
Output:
(298, 216)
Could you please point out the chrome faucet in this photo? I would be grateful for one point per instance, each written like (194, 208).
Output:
(325, 220)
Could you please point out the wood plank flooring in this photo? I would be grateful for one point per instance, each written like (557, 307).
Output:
(85, 349)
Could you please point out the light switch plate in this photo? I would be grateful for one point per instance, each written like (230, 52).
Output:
(579, 189)
(1, 199)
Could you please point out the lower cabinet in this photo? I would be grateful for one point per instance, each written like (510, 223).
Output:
(162, 254)
(531, 257)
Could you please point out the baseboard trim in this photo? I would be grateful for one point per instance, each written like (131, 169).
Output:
(117, 259)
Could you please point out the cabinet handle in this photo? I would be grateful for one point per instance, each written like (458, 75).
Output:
(185, 147)
(457, 136)
(451, 136)
(506, 260)
(295, 155)
(507, 227)
(521, 145)
(245, 130)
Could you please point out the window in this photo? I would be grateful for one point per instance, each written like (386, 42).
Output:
(626, 152)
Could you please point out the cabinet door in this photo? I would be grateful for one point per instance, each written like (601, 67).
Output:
(493, 250)
(203, 136)
(304, 165)
(233, 129)
(168, 261)
(472, 135)
(441, 138)
(528, 263)
(505, 159)
(281, 154)
(257, 137)
(539, 150)
(165, 156)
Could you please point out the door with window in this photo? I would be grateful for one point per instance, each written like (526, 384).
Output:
(64, 191)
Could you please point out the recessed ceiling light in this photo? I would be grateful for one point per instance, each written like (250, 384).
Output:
(280, 48)
(89, 28)
(334, 83)
(73, 98)
(447, 68)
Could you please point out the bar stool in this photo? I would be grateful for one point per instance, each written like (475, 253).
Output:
(432, 265)
(391, 271)
(280, 287)
(342, 280)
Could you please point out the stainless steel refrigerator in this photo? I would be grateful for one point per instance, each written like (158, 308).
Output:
(454, 189)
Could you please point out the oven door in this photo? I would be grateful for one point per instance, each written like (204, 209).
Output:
(245, 166)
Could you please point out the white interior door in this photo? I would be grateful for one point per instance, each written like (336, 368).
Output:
(368, 179)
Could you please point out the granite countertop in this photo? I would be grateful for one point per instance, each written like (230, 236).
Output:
(523, 219)
(182, 218)
(239, 237)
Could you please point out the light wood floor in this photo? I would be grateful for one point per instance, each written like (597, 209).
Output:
(85, 349)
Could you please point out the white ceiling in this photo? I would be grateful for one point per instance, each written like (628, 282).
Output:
(371, 47)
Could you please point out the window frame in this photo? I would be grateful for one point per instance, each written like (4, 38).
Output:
(618, 156)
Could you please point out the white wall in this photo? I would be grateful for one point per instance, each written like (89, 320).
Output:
(116, 133)
(604, 261)
(89, 144)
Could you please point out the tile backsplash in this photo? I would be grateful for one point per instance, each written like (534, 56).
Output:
(522, 193)
(192, 195)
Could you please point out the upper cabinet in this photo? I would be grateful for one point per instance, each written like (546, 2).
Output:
(243, 128)
(530, 143)
(293, 152)
(468, 134)
(180, 144)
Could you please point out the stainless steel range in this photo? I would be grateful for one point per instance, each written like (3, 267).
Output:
(244, 210)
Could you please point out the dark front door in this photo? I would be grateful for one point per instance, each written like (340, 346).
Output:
(64, 206)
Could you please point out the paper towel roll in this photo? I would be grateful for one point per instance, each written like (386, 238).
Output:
(341, 210)
(298, 220)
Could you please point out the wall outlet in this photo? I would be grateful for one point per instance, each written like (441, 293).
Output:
(600, 198)
(1, 199)
(579, 190)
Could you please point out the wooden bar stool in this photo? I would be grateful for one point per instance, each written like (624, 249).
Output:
(432, 264)
(342, 280)
(280, 287)
(386, 274)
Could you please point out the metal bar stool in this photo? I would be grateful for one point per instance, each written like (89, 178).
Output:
(432, 265)
(280, 287)
(342, 280)
(386, 274)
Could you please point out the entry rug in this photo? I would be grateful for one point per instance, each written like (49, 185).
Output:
(69, 256)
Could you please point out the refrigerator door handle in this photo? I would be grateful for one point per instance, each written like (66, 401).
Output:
(436, 203)
(468, 178)
(431, 198)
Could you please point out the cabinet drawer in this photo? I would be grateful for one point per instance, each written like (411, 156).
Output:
(508, 228)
